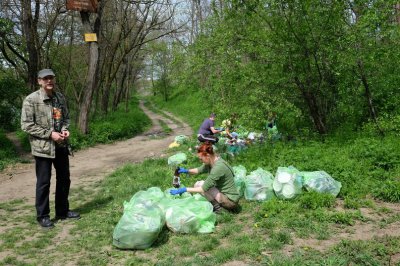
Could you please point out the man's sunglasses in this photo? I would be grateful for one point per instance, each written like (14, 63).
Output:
(48, 78)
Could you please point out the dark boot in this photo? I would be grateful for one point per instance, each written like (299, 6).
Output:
(216, 206)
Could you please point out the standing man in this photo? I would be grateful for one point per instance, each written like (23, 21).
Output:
(206, 131)
(45, 118)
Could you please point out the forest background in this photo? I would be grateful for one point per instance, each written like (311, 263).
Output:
(323, 66)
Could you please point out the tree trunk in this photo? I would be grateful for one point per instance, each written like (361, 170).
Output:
(311, 101)
(121, 86)
(29, 25)
(397, 12)
(91, 81)
(368, 96)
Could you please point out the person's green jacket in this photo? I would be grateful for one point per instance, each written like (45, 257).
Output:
(221, 176)
(37, 121)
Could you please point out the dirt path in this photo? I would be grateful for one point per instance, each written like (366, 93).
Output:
(93, 164)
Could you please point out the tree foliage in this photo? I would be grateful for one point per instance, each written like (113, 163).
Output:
(11, 91)
(320, 65)
(96, 75)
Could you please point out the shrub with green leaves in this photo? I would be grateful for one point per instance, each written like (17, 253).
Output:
(12, 91)
(120, 124)
(7, 151)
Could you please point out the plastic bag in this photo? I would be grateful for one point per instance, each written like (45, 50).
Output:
(173, 145)
(146, 213)
(177, 159)
(139, 227)
(240, 175)
(287, 183)
(151, 196)
(321, 182)
(258, 185)
(190, 215)
(181, 139)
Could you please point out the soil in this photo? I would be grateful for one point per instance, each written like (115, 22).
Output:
(93, 164)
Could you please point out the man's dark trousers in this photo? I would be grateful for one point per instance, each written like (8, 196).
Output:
(63, 182)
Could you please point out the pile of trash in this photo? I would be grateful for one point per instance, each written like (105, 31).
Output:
(287, 183)
(178, 141)
(147, 212)
(239, 140)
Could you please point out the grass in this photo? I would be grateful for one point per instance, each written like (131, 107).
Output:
(165, 127)
(258, 235)
(263, 233)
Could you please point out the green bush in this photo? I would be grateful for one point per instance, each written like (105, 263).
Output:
(8, 153)
(24, 140)
(12, 92)
(115, 126)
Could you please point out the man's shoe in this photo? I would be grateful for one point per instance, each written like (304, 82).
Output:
(45, 222)
(70, 215)
(217, 208)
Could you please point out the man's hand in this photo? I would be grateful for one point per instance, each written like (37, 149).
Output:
(178, 191)
(57, 137)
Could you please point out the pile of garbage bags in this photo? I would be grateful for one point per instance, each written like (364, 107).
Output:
(147, 212)
(287, 183)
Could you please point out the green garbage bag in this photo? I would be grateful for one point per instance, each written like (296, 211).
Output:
(287, 183)
(150, 196)
(181, 139)
(189, 215)
(258, 185)
(240, 175)
(232, 149)
(139, 227)
(321, 181)
(273, 133)
(177, 159)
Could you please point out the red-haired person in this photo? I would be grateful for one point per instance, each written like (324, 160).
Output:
(219, 186)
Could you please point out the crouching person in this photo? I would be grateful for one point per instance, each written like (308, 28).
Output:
(219, 187)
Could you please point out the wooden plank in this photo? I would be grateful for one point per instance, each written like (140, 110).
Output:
(82, 5)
